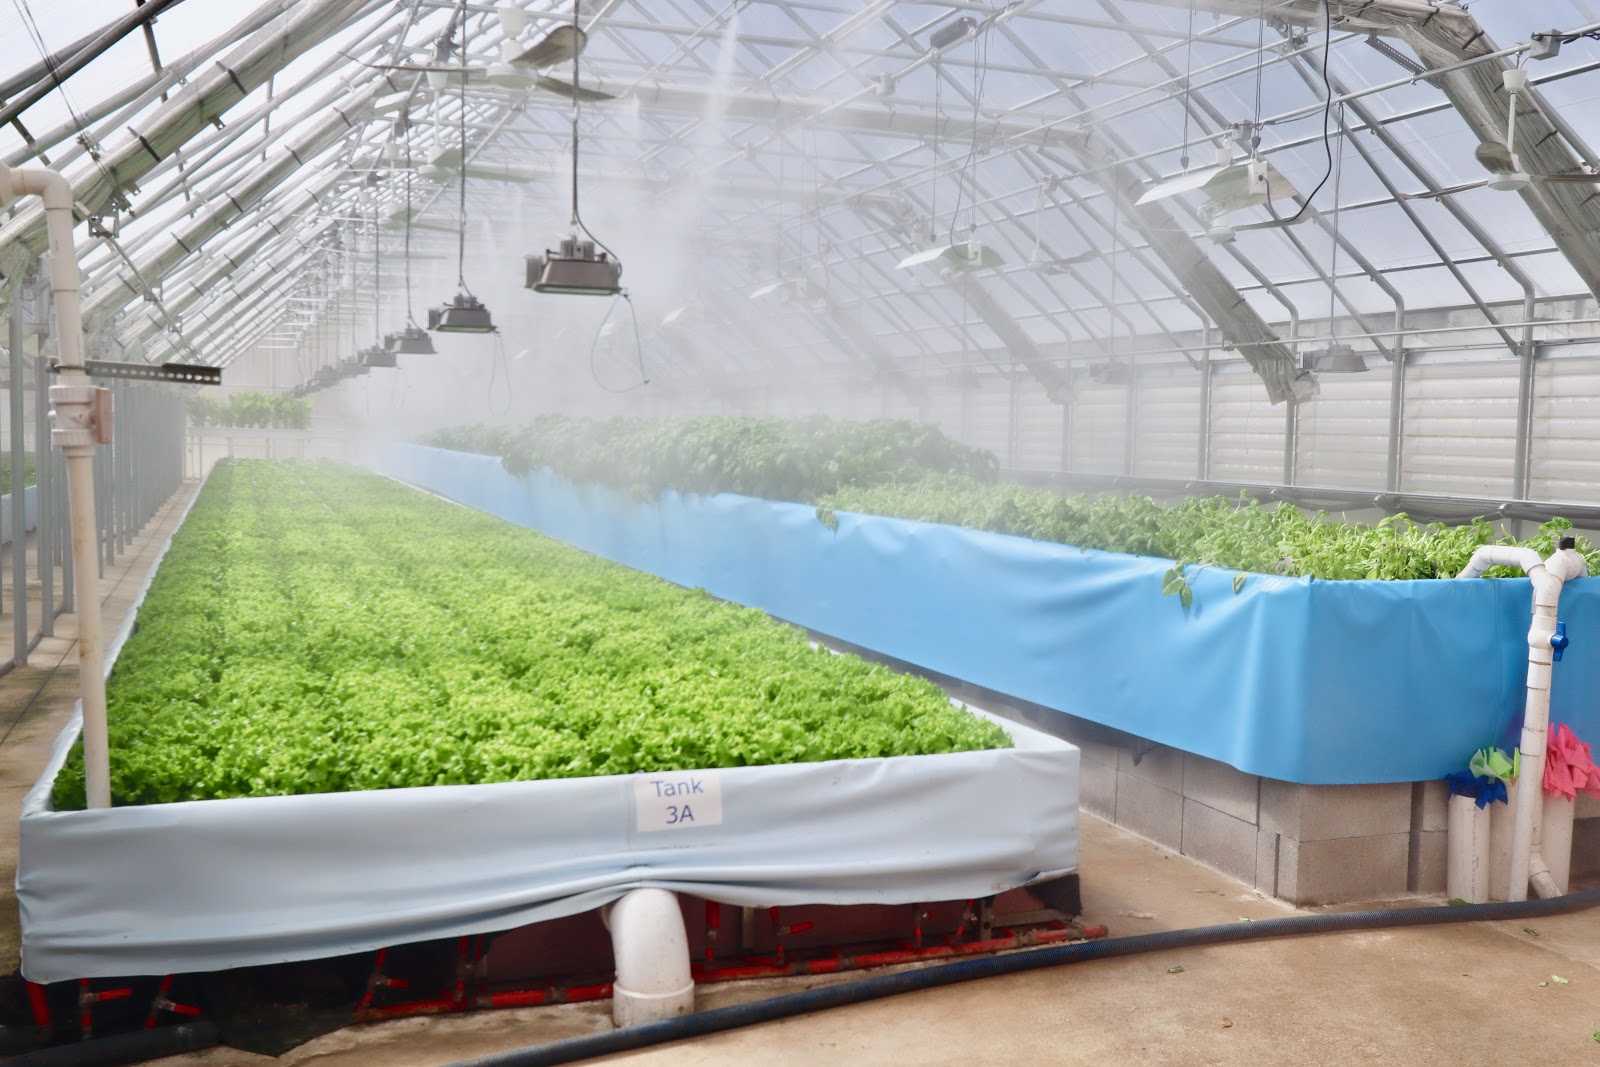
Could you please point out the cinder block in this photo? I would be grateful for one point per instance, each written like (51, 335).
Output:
(1219, 840)
(1219, 786)
(1150, 811)
(1266, 878)
(1161, 766)
(1342, 870)
(1586, 846)
(1427, 873)
(1329, 812)
(1098, 752)
(1435, 807)
(1097, 792)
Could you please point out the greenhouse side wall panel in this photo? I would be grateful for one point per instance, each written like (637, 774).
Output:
(1342, 435)
(1460, 429)
(1098, 430)
(1290, 678)
(1246, 429)
(1038, 434)
(1167, 420)
(1564, 456)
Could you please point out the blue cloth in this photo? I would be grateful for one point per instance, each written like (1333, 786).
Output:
(1291, 678)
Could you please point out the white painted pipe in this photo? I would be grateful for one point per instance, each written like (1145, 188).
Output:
(1467, 845)
(652, 954)
(73, 431)
(1547, 575)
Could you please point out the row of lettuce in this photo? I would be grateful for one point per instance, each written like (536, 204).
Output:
(913, 471)
(316, 629)
(249, 409)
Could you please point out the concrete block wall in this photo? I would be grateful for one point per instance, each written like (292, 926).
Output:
(1309, 844)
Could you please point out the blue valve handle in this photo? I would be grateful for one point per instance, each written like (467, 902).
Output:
(1559, 641)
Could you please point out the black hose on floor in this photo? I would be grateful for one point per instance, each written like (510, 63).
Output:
(888, 985)
(134, 1047)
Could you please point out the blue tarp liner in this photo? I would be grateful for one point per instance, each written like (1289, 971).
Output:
(203, 885)
(1291, 678)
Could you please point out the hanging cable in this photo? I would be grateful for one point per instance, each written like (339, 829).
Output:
(638, 347)
(461, 244)
(497, 366)
(1333, 265)
(411, 318)
(577, 113)
(980, 74)
(1188, 73)
(1327, 111)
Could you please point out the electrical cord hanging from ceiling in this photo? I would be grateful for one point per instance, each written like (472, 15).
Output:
(1188, 74)
(497, 366)
(577, 113)
(980, 75)
(1327, 112)
(638, 348)
(411, 316)
(1333, 264)
(461, 243)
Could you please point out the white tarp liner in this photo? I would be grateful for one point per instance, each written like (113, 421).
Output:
(205, 885)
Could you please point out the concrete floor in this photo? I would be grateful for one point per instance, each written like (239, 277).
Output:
(1428, 996)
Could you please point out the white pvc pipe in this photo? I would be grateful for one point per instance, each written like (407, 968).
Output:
(73, 431)
(1547, 575)
(652, 954)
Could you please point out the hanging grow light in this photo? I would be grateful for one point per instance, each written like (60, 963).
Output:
(465, 313)
(576, 269)
(1335, 359)
(411, 341)
(376, 356)
(961, 257)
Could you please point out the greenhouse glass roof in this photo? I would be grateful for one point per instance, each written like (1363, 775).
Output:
(1118, 178)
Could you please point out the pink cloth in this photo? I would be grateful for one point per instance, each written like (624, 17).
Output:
(1568, 765)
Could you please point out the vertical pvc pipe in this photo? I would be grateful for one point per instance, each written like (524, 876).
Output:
(45, 531)
(1467, 845)
(74, 432)
(19, 496)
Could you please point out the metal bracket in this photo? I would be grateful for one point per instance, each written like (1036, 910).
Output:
(183, 373)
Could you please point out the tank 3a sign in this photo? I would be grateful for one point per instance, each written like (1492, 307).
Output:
(677, 801)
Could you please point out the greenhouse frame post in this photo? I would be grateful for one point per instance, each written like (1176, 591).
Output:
(74, 430)
(19, 495)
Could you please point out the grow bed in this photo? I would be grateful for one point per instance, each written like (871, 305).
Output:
(198, 884)
(1297, 679)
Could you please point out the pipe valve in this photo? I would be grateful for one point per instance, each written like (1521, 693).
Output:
(1559, 641)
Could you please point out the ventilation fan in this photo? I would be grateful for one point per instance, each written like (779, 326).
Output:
(1506, 173)
(1038, 261)
(517, 67)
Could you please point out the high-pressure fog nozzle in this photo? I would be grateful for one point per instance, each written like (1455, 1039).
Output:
(576, 269)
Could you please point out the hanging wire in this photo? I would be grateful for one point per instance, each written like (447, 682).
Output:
(497, 366)
(1333, 265)
(411, 317)
(638, 347)
(577, 113)
(1327, 111)
(1188, 73)
(980, 74)
(461, 244)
